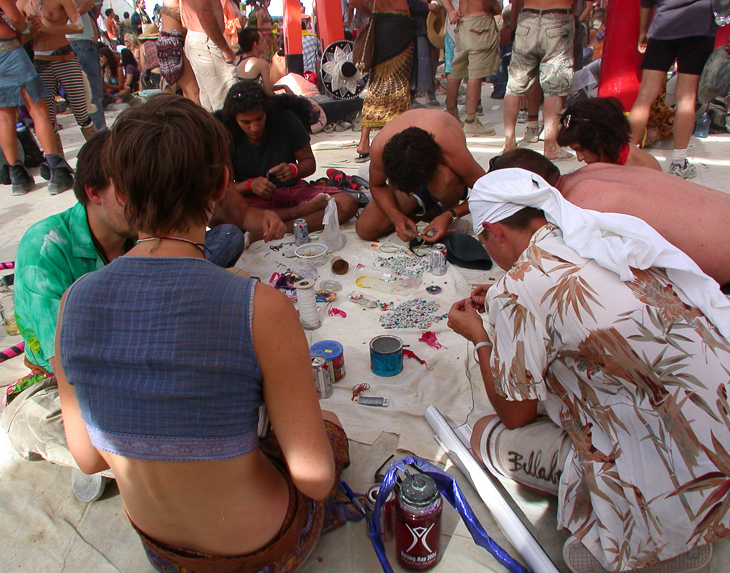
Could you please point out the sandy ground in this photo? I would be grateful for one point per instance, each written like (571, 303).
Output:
(43, 527)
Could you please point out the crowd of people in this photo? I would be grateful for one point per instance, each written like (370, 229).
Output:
(603, 348)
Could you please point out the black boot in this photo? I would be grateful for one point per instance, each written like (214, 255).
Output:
(62, 178)
(21, 180)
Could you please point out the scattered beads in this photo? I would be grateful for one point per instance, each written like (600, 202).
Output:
(405, 266)
(416, 313)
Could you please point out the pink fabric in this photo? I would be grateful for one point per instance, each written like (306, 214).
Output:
(285, 197)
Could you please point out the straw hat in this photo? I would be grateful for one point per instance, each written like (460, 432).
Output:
(436, 27)
(150, 32)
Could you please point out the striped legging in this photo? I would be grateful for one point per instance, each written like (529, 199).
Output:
(68, 74)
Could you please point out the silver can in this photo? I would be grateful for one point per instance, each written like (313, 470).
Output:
(301, 232)
(437, 258)
(322, 377)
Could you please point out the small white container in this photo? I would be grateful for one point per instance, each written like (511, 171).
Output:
(313, 254)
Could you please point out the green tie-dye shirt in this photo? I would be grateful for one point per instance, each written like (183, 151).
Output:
(52, 254)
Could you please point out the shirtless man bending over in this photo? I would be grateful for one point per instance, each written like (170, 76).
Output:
(420, 170)
(691, 217)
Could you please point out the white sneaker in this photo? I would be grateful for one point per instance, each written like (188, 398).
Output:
(476, 127)
(580, 560)
(531, 135)
(686, 171)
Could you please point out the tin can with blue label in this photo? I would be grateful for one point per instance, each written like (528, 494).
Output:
(333, 352)
(386, 355)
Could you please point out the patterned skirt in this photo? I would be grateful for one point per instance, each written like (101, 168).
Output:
(389, 90)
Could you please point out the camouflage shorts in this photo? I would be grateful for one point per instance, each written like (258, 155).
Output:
(543, 43)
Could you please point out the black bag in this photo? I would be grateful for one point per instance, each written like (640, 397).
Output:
(32, 154)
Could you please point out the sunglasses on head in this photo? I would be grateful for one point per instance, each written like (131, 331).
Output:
(567, 120)
(241, 96)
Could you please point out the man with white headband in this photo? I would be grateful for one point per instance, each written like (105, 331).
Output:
(621, 340)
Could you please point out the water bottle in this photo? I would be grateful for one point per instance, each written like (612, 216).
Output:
(702, 127)
(721, 9)
(7, 305)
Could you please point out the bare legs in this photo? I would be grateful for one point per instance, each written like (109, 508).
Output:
(511, 109)
(43, 128)
(652, 82)
(363, 148)
(188, 83)
(8, 139)
(684, 119)
(473, 93)
(551, 110)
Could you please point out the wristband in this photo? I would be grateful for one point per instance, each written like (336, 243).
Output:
(454, 216)
(248, 185)
(479, 345)
(295, 169)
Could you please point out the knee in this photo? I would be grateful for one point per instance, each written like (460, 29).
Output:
(477, 433)
(346, 206)
(365, 231)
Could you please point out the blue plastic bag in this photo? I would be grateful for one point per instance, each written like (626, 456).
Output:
(451, 492)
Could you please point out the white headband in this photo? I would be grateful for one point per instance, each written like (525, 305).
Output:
(615, 241)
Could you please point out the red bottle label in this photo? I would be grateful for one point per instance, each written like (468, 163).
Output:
(418, 539)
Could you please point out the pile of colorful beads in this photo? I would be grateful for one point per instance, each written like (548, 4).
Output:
(416, 313)
(411, 267)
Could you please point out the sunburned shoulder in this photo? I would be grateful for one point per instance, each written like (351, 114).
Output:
(437, 122)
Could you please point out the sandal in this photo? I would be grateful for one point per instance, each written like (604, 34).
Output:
(342, 125)
(362, 158)
(329, 128)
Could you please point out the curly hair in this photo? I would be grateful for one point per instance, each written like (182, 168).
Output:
(410, 159)
(598, 125)
(243, 97)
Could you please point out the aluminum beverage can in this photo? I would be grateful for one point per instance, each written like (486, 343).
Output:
(301, 232)
(437, 258)
(322, 379)
(387, 514)
(418, 523)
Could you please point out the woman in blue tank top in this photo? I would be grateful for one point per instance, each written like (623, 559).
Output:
(167, 359)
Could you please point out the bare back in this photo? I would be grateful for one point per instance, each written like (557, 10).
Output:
(391, 6)
(224, 501)
(691, 217)
(548, 4)
(447, 133)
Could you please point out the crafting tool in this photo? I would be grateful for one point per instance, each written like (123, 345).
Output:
(353, 497)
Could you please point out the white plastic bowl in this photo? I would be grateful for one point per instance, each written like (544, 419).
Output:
(312, 254)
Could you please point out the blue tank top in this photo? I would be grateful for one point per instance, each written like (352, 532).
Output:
(160, 353)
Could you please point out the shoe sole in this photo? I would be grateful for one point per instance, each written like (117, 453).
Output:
(580, 560)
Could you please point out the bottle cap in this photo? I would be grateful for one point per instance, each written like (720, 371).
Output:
(419, 490)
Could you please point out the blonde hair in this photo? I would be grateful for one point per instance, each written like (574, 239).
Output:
(135, 41)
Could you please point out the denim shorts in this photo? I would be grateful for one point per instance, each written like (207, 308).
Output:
(16, 72)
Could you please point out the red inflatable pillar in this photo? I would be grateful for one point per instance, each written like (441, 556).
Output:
(620, 65)
(330, 26)
(293, 37)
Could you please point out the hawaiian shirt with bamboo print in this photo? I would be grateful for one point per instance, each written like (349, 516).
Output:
(638, 379)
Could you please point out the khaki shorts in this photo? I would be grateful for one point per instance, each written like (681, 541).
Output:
(543, 43)
(478, 56)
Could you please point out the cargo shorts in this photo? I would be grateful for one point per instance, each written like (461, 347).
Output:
(543, 43)
(478, 56)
